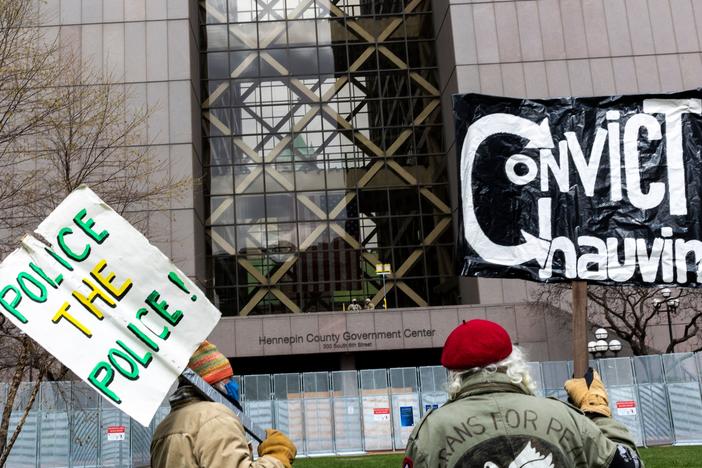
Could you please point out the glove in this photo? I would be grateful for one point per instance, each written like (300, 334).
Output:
(589, 394)
(278, 446)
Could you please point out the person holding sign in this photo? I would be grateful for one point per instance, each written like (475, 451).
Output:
(494, 420)
(201, 433)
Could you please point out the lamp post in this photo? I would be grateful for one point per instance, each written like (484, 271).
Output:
(383, 269)
(671, 305)
(600, 347)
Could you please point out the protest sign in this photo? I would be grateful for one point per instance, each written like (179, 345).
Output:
(605, 189)
(106, 303)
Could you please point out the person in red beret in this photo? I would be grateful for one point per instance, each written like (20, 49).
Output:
(493, 419)
(201, 433)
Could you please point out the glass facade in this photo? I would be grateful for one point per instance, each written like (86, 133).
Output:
(324, 155)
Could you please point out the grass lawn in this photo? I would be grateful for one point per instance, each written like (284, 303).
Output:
(664, 457)
(657, 457)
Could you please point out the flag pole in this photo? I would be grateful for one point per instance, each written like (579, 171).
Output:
(581, 360)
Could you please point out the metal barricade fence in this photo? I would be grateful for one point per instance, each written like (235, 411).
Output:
(618, 373)
(682, 377)
(653, 396)
(287, 394)
(348, 427)
(257, 400)
(432, 385)
(375, 410)
(659, 398)
(404, 390)
(319, 438)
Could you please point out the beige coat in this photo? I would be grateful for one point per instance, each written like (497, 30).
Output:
(203, 434)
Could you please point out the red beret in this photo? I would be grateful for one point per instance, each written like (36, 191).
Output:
(475, 343)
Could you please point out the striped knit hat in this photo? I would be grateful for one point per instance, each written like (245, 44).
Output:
(210, 364)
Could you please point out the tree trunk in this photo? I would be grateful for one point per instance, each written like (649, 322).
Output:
(7, 447)
(12, 393)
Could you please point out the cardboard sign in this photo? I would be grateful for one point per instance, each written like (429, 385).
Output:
(626, 408)
(115, 433)
(106, 303)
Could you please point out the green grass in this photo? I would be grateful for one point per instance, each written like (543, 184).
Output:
(361, 461)
(664, 457)
(657, 457)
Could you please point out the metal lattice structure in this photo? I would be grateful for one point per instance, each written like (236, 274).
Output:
(325, 108)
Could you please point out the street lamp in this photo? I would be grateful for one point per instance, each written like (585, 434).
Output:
(600, 347)
(383, 269)
(671, 305)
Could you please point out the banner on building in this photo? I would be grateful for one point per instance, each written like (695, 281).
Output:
(600, 189)
(106, 303)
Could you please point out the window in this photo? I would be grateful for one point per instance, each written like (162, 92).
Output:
(324, 155)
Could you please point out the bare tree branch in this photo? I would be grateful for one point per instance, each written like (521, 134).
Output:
(629, 312)
(61, 125)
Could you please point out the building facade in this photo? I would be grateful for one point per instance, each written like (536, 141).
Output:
(320, 139)
(324, 150)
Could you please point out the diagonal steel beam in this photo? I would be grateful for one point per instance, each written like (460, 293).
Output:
(286, 301)
(303, 91)
(253, 302)
(222, 242)
(219, 211)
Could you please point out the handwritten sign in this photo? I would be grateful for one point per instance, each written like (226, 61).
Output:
(106, 303)
(603, 189)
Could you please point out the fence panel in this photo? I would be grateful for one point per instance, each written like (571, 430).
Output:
(653, 396)
(140, 443)
(404, 390)
(24, 452)
(348, 432)
(287, 393)
(536, 375)
(257, 401)
(54, 440)
(84, 425)
(375, 401)
(684, 396)
(555, 373)
(114, 446)
(618, 377)
(657, 397)
(319, 437)
(432, 380)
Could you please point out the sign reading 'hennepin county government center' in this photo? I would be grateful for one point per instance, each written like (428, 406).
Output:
(347, 339)
(601, 189)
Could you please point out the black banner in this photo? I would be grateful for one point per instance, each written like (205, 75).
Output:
(603, 189)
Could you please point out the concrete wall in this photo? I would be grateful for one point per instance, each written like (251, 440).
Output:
(544, 336)
(151, 48)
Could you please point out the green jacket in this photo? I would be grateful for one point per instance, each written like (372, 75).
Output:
(494, 423)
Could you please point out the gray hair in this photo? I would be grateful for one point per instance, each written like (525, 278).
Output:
(515, 367)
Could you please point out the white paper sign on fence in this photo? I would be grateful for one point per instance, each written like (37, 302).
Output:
(106, 303)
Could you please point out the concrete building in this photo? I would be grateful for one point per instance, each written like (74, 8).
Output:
(322, 131)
